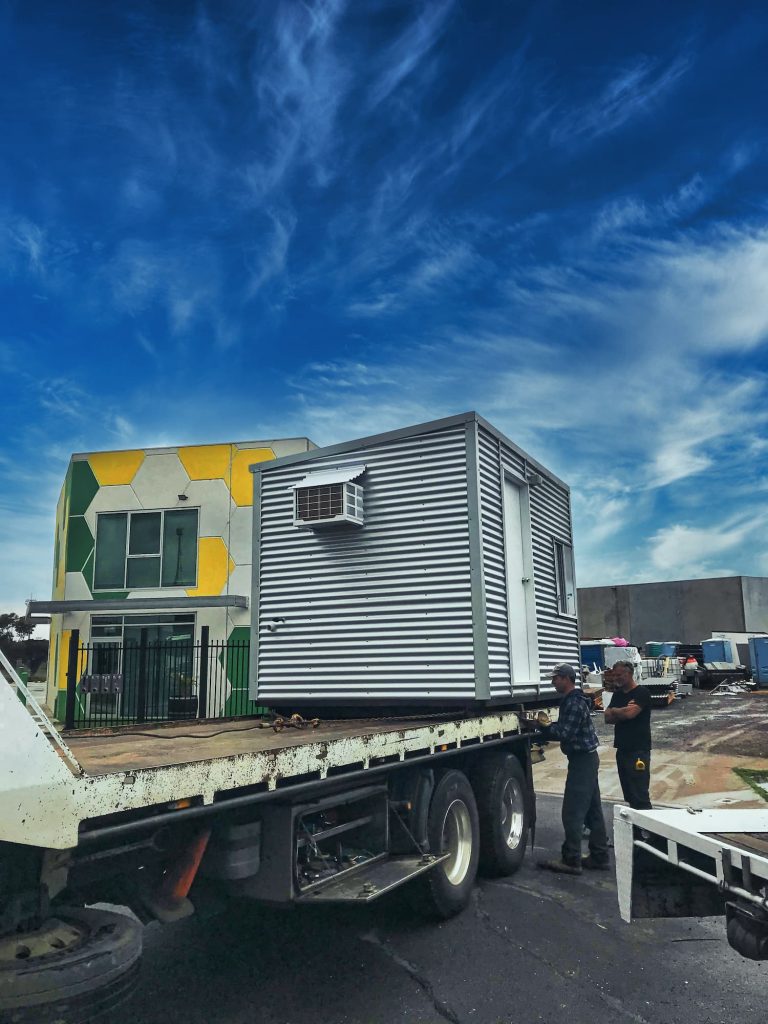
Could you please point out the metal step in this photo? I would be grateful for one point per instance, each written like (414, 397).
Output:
(371, 882)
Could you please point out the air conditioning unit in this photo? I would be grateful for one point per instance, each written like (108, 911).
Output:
(328, 497)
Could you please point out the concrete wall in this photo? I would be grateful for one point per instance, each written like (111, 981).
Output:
(684, 610)
(755, 603)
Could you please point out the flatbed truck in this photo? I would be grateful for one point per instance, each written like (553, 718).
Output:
(161, 818)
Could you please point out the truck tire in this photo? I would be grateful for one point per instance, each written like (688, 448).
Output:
(79, 966)
(452, 827)
(503, 809)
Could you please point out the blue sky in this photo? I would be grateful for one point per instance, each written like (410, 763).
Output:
(243, 220)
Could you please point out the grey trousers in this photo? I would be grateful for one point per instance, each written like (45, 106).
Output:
(582, 806)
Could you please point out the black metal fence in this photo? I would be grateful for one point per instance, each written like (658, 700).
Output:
(111, 684)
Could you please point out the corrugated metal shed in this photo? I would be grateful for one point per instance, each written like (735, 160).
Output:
(412, 606)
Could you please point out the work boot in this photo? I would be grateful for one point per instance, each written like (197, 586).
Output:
(591, 864)
(560, 866)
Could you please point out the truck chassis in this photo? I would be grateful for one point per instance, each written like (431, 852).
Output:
(163, 818)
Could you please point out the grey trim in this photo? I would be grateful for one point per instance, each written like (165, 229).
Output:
(476, 566)
(253, 676)
(396, 435)
(265, 442)
(133, 604)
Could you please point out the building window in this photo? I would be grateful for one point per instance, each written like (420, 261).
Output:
(566, 582)
(140, 550)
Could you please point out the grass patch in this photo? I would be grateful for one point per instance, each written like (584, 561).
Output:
(757, 780)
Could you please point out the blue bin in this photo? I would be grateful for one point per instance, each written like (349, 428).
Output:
(668, 650)
(758, 656)
(717, 650)
(593, 654)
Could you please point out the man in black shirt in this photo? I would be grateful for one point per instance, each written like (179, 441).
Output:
(630, 714)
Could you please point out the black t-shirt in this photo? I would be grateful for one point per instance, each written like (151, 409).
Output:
(634, 734)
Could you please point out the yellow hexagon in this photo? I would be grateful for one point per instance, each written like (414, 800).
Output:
(213, 567)
(115, 467)
(242, 480)
(206, 461)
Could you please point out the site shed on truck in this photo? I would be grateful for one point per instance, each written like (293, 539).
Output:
(431, 565)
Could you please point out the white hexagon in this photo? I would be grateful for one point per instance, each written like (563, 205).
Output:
(159, 481)
(241, 534)
(75, 587)
(216, 621)
(213, 499)
(238, 616)
(240, 581)
(78, 620)
(112, 498)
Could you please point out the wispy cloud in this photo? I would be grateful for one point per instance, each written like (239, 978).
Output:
(632, 91)
(435, 267)
(299, 85)
(404, 55)
(680, 550)
(184, 281)
(272, 252)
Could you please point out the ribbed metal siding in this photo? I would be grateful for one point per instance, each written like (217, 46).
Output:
(379, 611)
(550, 521)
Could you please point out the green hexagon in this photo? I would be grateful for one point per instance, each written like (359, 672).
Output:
(83, 488)
(79, 543)
(236, 666)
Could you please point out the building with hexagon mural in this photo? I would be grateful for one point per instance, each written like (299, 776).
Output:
(155, 539)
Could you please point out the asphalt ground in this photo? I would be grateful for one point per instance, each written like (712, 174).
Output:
(533, 947)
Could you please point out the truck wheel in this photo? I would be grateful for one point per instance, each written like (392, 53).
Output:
(452, 828)
(75, 968)
(500, 788)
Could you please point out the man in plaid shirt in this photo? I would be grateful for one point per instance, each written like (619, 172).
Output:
(581, 799)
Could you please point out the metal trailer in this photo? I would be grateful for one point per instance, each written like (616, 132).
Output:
(685, 862)
(429, 566)
(660, 676)
(161, 819)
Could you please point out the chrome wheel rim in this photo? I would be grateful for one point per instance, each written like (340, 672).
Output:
(512, 813)
(457, 842)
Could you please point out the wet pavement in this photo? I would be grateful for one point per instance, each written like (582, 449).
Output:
(534, 947)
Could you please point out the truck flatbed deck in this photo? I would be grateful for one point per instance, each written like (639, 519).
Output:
(54, 793)
(157, 746)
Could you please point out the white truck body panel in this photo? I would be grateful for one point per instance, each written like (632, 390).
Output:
(708, 845)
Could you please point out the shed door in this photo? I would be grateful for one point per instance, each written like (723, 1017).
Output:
(523, 648)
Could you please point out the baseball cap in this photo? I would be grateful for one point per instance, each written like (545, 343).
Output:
(564, 670)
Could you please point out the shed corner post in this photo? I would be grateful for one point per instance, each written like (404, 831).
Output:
(255, 603)
(476, 564)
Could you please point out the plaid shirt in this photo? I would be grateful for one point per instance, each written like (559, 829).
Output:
(574, 726)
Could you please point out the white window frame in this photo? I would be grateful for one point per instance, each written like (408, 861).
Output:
(126, 556)
(561, 580)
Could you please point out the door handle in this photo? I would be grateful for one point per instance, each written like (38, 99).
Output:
(526, 579)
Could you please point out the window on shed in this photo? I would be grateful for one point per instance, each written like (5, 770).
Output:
(566, 581)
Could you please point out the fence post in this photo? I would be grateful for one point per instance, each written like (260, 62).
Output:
(202, 696)
(74, 650)
(141, 682)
